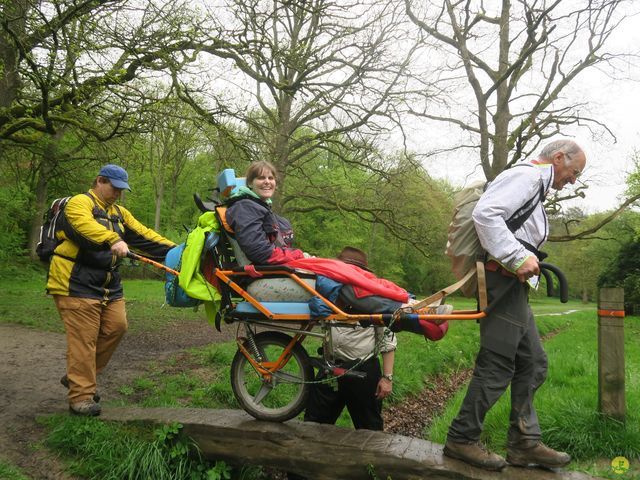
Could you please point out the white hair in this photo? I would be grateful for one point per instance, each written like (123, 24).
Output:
(568, 147)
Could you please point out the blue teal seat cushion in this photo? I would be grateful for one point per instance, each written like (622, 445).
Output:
(284, 308)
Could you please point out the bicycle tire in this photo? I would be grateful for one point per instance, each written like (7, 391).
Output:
(284, 396)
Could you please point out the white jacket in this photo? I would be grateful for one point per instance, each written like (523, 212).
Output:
(504, 196)
(360, 342)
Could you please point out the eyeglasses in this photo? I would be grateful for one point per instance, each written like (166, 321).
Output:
(576, 172)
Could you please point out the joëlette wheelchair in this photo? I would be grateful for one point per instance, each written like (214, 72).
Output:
(271, 372)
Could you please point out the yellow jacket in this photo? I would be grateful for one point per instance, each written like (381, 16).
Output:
(82, 264)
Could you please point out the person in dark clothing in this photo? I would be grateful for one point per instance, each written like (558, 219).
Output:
(356, 347)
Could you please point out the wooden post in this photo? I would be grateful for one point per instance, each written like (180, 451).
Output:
(611, 353)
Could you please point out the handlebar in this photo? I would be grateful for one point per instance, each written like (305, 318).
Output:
(562, 280)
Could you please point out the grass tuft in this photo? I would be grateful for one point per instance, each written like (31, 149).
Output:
(9, 472)
(98, 450)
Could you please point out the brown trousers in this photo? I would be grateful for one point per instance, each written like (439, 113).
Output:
(94, 330)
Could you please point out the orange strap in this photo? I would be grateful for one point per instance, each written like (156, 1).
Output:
(611, 313)
(222, 215)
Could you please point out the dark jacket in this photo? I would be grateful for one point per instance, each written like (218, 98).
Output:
(82, 264)
(264, 237)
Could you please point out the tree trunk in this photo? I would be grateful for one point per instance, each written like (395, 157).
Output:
(47, 167)
(158, 201)
(40, 208)
(16, 13)
(281, 147)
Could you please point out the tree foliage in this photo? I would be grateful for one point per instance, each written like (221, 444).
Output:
(324, 76)
(399, 219)
(176, 91)
(77, 64)
(514, 63)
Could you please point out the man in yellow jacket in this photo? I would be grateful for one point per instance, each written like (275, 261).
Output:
(85, 283)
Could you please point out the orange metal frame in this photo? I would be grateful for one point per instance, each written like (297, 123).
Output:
(267, 369)
(338, 315)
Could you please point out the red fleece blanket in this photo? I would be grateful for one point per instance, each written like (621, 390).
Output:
(364, 283)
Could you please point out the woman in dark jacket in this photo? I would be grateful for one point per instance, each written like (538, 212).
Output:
(267, 239)
(264, 237)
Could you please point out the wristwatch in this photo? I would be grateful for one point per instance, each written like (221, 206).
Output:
(388, 376)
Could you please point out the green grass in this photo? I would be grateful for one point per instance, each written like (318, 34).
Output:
(111, 451)
(9, 472)
(24, 302)
(200, 379)
(146, 310)
(97, 449)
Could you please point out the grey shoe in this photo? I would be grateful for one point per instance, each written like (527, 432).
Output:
(85, 408)
(445, 309)
(65, 383)
(476, 454)
(537, 454)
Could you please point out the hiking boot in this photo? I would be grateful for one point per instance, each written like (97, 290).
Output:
(476, 454)
(65, 383)
(85, 408)
(438, 310)
(537, 454)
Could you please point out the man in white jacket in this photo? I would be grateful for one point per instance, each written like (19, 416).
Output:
(511, 352)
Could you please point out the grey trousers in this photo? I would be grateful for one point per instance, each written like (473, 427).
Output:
(510, 353)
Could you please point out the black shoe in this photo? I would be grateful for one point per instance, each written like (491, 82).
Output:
(65, 383)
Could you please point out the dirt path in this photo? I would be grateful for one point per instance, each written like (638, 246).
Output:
(32, 362)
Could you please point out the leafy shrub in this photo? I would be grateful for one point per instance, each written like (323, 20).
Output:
(624, 272)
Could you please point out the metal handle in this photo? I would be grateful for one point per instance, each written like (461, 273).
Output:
(135, 256)
(562, 280)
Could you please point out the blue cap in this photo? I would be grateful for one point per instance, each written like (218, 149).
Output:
(117, 176)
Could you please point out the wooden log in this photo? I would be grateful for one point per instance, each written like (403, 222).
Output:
(611, 399)
(320, 452)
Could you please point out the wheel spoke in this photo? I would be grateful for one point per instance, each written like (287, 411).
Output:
(286, 377)
(262, 393)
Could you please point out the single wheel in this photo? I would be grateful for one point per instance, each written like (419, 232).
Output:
(281, 396)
